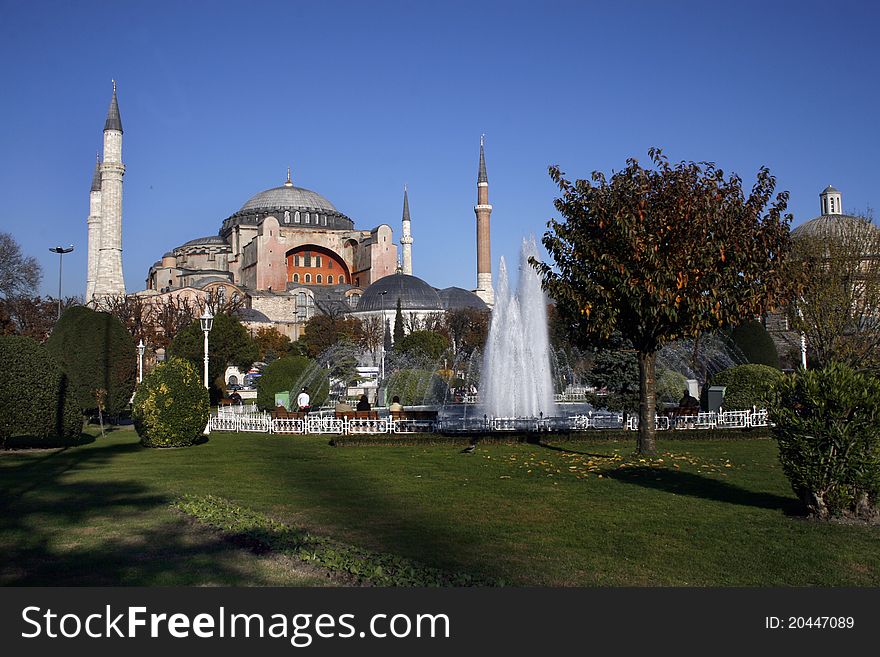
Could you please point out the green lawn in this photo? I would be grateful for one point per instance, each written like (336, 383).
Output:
(714, 513)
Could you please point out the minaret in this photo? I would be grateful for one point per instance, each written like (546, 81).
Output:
(484, 257)
(830, 201)
(109, 281)
(94, 223)
(406, 239)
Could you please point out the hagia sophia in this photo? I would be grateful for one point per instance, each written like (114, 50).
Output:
(288, 251)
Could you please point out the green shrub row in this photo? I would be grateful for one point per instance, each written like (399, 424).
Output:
(39, 407)
(748, 386)
(261, 531)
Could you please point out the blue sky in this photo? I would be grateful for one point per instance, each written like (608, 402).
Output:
(218, 98)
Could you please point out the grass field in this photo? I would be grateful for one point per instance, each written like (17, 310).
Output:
(716, 513)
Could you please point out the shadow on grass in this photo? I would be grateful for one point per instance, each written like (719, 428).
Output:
(56, 530)
(695, 485)
(573, 451)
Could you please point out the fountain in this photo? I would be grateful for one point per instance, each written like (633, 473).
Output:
(516, 379)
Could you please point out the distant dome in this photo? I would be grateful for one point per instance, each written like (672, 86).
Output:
(413, 292)
(288, 196)
(252, 315)
(204, 241)
(828, 224)
(455, 298)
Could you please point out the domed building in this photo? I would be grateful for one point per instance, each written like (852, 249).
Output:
(418, 300)
(286, 253)
(832, 221)
(289, 249)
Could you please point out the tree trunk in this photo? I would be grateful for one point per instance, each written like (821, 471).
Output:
(647, 403)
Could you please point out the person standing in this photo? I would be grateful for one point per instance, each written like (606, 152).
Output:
(303, 400)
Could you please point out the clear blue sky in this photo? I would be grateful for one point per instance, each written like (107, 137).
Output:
(217, 99)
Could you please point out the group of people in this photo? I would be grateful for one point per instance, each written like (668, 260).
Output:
(303, 403)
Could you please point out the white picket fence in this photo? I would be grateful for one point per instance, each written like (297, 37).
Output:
(314, 423)
(707, 420)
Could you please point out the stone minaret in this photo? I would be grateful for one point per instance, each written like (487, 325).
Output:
(830, 199)
(484, 257)
(406, 239)
(94, 223)
(109, 281)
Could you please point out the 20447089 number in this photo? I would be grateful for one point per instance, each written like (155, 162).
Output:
(809, 623)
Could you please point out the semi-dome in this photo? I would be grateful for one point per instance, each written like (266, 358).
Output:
(288, 197)
(456, 298)
(413, 292)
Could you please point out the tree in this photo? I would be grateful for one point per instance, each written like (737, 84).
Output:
(425, 347)
(229, 343)
(839, 308)
(97, 353)
(33, 317)
(370, 335)
(20, 275)
(270, 339)
(617, 371)
(467, 330)
(290, 374)
(663, 253)
(398, 323)
(755, 343)
(322, 332)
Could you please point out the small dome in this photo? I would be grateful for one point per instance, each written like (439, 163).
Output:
(456, 298)
(413, 292)
(252, 315)
(288, 196)
(831, 190)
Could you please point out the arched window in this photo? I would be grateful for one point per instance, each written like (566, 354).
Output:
(306, 218)
(296, 217)
(319, 279)
(296, 278)
(330, 280)
(308, 278)
(304, 304)
(323, 219)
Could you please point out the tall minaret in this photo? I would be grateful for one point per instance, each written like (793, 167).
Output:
(94, 223)
(109, 281)
(830, 199)
(406, 239)
(484, 258)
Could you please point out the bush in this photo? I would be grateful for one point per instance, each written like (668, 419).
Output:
(670, 385)
(171, 406)
(747, 386)
(827, 424)
(423, 346)
(416, 387)
(755, 343)
(290, 374)
(96, 352)
(37, 402)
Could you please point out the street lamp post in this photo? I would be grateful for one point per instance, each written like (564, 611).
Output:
(141, 346)
(207, 320)
(60, 250)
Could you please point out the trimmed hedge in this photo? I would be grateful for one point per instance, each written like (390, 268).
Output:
(670, 385)
(747, 386)
(290, 374)
(96, 352)
(755, 343)
(416, 387)
(171, 406)
(37, 402)
(828, 429)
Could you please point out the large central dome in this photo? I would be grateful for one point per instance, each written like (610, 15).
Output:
(288, 196)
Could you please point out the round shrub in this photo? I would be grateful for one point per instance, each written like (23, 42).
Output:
(96, 352)
(670, 385)
(747, 386)
(290, 374)
(827, 424)
(755, 343)
(171, 406)
(37, 403)
(416, 387)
